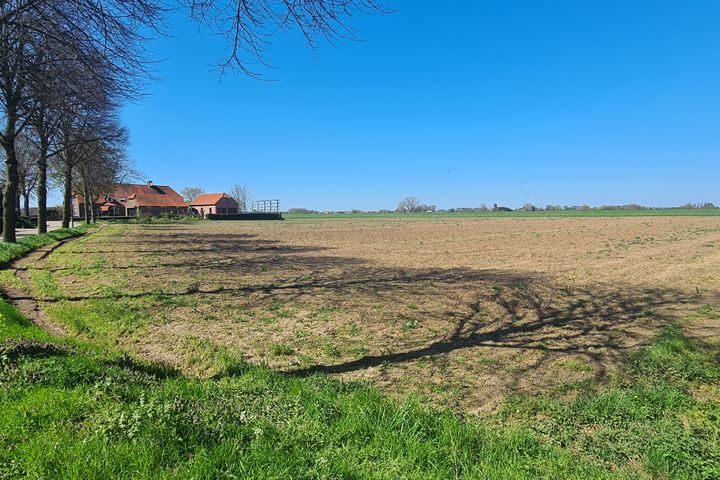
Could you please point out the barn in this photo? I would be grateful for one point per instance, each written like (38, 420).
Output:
(214, 203)
(131, 200)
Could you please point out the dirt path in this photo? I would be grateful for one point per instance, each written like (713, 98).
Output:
(22, 298)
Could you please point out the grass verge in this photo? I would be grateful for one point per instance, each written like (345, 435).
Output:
(13, 251)
(70, 409)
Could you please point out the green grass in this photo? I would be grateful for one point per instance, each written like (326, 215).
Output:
(674, 212)
(12, 251)
(664, 413)
(70, 409)
(281, 350)
(577, 365)
(8, 278)
(204, 357)
(103, 320)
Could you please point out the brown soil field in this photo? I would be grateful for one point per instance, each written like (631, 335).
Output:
(463, 312)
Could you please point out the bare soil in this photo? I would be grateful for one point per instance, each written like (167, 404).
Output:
(462, 311)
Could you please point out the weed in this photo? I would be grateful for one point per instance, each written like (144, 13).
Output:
(359, 351)
(44, 285)
(708, 311)
(275, 305)
(487, 361)
(323, 314)
(352, 328)
(9, 279)
(281, 350)
(577, 365)
(204, 358)
(331, 350)
(410, 324)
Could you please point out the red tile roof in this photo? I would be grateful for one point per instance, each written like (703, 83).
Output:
(209, 199)
(145, 196)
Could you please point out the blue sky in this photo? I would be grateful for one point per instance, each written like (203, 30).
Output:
(457, 103)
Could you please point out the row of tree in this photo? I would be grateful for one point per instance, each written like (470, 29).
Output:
(67, 65)
(65, 68)
(412, 204)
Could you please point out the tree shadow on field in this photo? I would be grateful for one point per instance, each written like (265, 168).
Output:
(211, 251)
(599, 326)
(458, 309)
(151, 369)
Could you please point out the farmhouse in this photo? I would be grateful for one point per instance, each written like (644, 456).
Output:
(218, 203)
(130, 200)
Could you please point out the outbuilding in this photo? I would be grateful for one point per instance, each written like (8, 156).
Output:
(214, 203)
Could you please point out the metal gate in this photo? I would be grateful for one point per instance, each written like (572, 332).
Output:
(265, 206)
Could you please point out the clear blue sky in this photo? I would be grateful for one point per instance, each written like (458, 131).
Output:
(457, 103)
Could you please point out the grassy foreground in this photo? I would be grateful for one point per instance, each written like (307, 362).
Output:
(70, 409)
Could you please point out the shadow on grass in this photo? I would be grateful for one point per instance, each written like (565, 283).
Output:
(11, 350)
(152, 369)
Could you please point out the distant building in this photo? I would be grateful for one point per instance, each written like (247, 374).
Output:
(215, 203)
(497, 208)
(131, 200)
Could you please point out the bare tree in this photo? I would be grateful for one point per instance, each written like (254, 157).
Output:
(64, 88)
(191, 193)
(102, 164)
(44, 123)
(241, 194)
(44, 44)
(27, 154)
(247, 26)
(408, 204)
(16, 72)
(103, 38)
(84, 131)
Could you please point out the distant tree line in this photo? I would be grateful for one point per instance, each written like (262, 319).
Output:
(529, 207)
(301, 210)
(412, 204)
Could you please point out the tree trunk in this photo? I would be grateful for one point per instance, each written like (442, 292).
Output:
(42, 186)
(67, 196)
(86, 194)
(26, 204)
(11, 183)
(92, 206)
